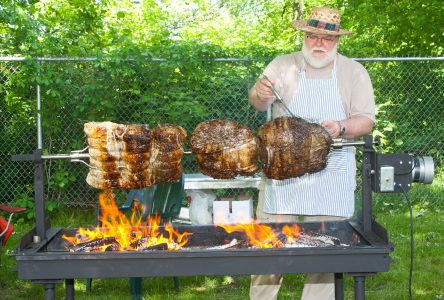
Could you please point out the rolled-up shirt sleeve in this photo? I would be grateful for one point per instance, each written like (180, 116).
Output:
(362, 99)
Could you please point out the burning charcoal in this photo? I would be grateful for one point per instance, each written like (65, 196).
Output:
(81, 238)
(324, 239)
(138, 243)
(316, 240)
(232, 244)
(113, 247)
(282, 237)
(94, 244)
(278, 244)
(163, 246)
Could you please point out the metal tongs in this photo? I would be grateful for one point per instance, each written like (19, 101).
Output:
(278, 97)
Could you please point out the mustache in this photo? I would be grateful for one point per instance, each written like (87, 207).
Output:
(319, 49)
(315, 62)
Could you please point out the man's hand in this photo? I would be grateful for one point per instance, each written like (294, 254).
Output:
(264, 91)
(261, 95)
(333, 128)
(354, 127)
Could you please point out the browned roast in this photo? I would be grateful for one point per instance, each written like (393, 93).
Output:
(133, 156)
(167, 152)
(291, 147)
(224, 149)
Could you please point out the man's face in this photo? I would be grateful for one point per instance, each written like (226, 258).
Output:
(320, 49)
(320, 44)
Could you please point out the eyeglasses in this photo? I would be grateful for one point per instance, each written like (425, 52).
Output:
(328, 39)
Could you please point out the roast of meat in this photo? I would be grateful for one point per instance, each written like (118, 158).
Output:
(133, 156)
(224, 149)
(291, 147)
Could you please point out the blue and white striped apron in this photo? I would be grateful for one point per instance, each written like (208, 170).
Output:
(330, 191)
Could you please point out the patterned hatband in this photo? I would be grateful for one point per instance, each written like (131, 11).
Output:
(323, 25)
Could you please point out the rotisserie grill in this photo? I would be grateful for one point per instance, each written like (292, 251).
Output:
(356, 247)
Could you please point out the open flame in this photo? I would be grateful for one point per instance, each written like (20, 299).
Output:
(120, 233)
(264, 236)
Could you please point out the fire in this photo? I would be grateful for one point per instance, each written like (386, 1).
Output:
(126, 234)
(264, 236)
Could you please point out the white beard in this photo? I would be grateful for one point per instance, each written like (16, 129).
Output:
(316, 62)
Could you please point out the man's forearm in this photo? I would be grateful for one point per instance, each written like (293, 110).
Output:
(357, 126)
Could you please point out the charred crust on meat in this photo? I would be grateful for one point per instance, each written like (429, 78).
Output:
(291, 147)
(224, 149)
(133, 156)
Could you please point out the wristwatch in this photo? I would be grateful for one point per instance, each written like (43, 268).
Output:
(341, 129)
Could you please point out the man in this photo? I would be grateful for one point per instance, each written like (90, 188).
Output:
(320, 85)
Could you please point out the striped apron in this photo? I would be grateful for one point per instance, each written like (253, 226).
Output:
(330, 191)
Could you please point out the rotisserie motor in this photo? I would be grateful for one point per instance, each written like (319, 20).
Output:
(224, 149)
(291, 147)
(133, 156)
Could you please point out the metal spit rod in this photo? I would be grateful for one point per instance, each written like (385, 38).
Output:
(78, 155)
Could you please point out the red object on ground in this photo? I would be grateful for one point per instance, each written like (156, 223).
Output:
(11, 209)
(3, 224)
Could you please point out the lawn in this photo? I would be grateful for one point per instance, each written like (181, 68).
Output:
(391, 212)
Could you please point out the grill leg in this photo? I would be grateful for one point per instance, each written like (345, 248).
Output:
(88, 284)
(359, 287)
(176, 283)
(136, 288)
(69, 287)
(49, 291)
(339, 286)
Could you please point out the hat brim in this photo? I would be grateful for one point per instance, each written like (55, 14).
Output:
(302, 25)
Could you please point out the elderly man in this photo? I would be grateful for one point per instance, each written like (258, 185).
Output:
(320, 85)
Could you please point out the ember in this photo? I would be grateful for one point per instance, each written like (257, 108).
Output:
(119, 233)
(264, 236)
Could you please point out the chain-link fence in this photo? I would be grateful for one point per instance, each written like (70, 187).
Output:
(409, 94)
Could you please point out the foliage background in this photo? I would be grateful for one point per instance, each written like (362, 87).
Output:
(149, 53)
(172, 61)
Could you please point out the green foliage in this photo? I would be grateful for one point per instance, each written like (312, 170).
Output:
(394, 28)
(61, 179)
(162, 62)
(26, 200)
(125, 28)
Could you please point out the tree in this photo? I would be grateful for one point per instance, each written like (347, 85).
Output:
(394, 28)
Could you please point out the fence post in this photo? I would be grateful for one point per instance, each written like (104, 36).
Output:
(39, 115)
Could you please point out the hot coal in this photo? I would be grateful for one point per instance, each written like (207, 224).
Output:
(96, 244)
(162, 246)
(230, 245)
(138, 243)
(315, 240)
(213, 241)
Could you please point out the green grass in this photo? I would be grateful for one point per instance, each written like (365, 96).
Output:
(391, 212)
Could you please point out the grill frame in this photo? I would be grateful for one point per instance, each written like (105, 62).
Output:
(38, 264)
(50, 268)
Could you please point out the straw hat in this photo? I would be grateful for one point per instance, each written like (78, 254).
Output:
(322, 20)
